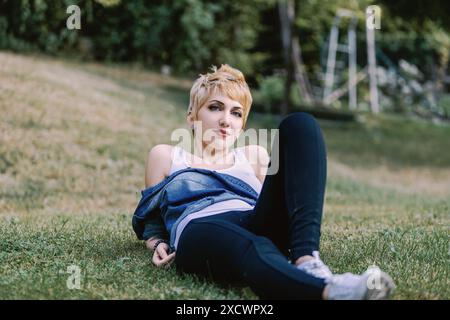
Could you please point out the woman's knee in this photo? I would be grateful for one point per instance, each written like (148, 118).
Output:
(297, 120)
(298, 125)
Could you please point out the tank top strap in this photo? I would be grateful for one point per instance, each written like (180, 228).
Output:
(244, 170)
(241, 158)
(178, 159)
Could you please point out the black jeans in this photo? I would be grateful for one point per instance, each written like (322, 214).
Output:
(253, 247)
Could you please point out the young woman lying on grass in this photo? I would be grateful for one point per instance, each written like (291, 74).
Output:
(217, 213)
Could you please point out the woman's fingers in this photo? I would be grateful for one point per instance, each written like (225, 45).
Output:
(158, 261)
(162, 251)
(168, 258)
(171, 256)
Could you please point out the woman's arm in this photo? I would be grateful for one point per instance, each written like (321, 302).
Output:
(157, 168)
(158, 164)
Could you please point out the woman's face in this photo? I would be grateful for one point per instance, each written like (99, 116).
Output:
(219, 120)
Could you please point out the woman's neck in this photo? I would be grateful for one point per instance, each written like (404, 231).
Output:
(208, 155)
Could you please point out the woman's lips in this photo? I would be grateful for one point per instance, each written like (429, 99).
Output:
(223, 132)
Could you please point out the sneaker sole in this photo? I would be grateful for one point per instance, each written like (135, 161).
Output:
(385, 290)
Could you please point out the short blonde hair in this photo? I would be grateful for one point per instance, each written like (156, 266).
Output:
(225, 80)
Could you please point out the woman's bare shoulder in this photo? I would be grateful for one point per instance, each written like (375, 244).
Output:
(162, 149)
(158, 164)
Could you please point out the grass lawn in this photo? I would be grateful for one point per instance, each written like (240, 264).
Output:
(73, 143)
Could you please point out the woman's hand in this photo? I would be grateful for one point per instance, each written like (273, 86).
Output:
(161, 256)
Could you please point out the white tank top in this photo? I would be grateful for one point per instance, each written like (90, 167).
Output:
(241, 169)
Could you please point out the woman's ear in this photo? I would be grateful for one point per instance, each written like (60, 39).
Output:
(190, 120)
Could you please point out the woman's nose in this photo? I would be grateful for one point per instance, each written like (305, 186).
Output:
(225, 120)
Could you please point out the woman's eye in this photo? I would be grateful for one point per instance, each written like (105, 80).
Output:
(237, 114)
(213, 107)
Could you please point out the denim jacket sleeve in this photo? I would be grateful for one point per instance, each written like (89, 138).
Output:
(154, 227)
(147, 221)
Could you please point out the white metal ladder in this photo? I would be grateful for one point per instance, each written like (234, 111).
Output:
(348, 48)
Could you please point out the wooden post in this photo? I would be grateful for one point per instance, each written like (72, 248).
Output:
(372, 62)
(352, 79)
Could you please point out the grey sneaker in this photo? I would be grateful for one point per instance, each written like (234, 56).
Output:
(373, 284)
(316, 267)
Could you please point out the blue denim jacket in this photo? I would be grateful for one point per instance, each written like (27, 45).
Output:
(165, 204)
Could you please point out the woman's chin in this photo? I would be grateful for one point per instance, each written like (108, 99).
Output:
(221, 143)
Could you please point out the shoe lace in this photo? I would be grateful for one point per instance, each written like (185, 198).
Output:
(316, 267)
